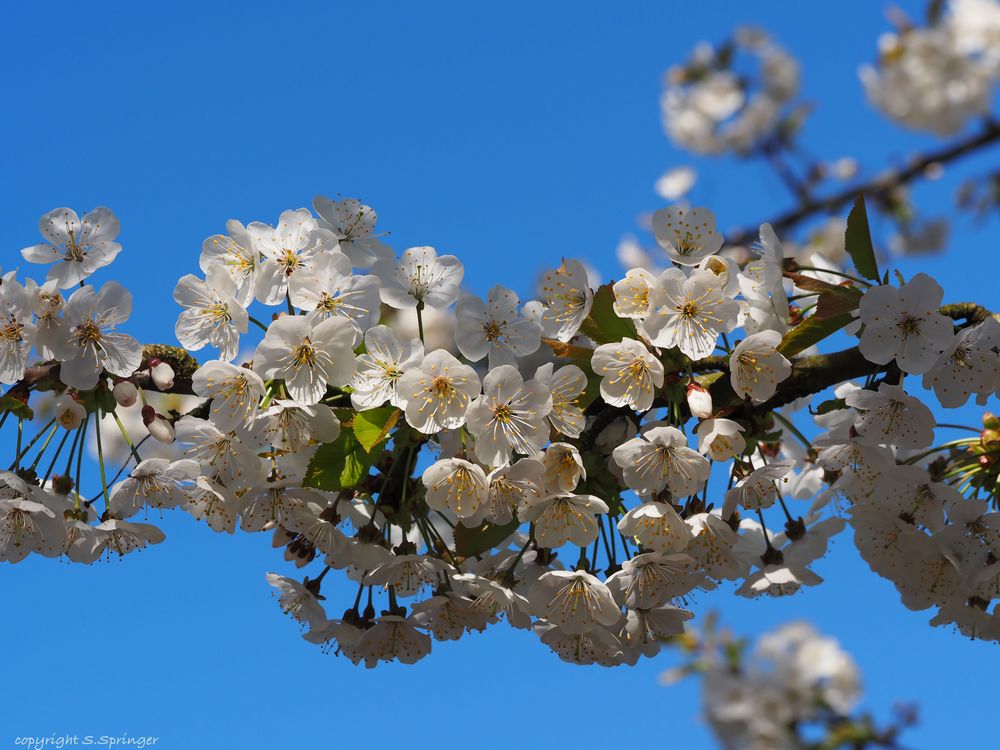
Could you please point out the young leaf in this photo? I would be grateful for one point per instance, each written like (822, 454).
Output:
(810, 331)
(603, 325)
(339, 465)
(371, 427)
(858, 241)
(836, 301)
(482, 538)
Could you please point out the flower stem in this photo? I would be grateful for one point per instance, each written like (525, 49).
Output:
(100, 461)
(835, 273)
(128, 440)
(22, 453)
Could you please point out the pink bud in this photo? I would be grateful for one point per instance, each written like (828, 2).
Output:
(699, 401)
(162, 375)
(158, 425)
(125, 393)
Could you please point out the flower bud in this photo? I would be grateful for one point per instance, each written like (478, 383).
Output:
(125, 393)
(162, 375)
(699, 401)
(70, 413)
(991, 421)
(158, 425)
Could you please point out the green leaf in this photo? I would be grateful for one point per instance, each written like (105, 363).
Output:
(811, 331)
(341, 464)
(16, 406)
(602, 325)
(470, 542)
(371, 427)
(858, 241)
(837, 301)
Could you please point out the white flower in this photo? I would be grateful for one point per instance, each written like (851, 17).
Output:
(509, 417)
(454, 485)
(390, 638)
(449, 615)
(77, 248)
(651, 579)
(407, 574)
(630, 374)
(657, 526)
(154, 483)
(720, 439)
(635, 294)
(353, 224)
(291, 426)
(566, 298)
(566, 384)
(904, 324)
(661, 458)
(328, 288)
(70, 413)
(778, 580)
(971, 364)
(713, 545)
(575, 601)
(438, 392)
(563, 468)
(213, 503)
(297, 601)
(693, 311)
(765, 303)
(125, 537)
(593, 647)
(211, 313)
(419, 278)
(234, 254)
(675, 183)
(17, 331)
(288, 248)
(757, 490)
(688, 235)
(756, 366)
(510, 487)
(88, 342)
(269, 504)
(563, 518)
(307, 357)
(48, 304)
(890, 416)
(381, 366)
(235, 392)
(648, 629)
(27, 525)
(222, 455)
(495, 328)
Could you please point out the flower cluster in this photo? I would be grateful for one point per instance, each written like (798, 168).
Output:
(582, 464)
(794, 688)
(710, 106)
(936, 78)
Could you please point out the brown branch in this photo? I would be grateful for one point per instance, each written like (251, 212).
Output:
(878, 189)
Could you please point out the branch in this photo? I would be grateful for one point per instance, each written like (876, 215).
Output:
(879, 188)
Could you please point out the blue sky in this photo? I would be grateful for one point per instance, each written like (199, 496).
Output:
(509, 134)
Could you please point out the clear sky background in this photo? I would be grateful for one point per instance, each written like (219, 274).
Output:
(510, 134)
